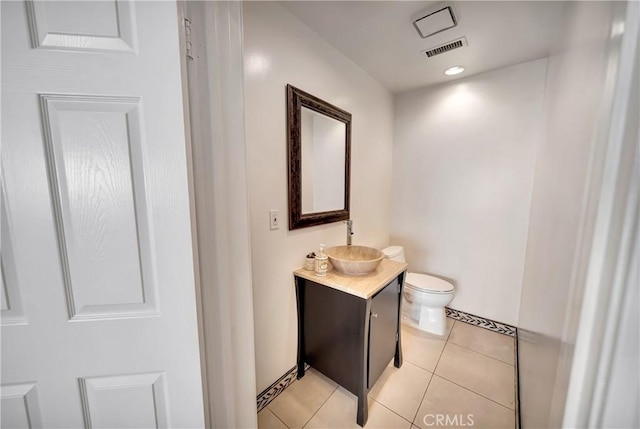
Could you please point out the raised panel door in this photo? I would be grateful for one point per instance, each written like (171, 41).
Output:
(99, 323)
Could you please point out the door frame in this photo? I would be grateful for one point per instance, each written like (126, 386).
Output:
(218, 196)
(609, 259)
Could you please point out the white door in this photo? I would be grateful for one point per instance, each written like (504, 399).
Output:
(98, 299)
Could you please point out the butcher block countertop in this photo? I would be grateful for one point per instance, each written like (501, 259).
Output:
(364, 286)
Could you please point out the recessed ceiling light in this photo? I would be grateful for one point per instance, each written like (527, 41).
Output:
(454, 70)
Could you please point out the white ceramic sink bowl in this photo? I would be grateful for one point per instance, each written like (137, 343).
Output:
(354, 260)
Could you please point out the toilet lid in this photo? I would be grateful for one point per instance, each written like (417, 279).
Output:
(392, 251)
(425, 282)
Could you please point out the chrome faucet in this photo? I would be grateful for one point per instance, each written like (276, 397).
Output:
(349, 231)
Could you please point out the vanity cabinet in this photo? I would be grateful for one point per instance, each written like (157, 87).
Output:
(349, 327)
(384, 333)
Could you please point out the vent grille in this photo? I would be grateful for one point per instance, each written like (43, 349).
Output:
(450, 46)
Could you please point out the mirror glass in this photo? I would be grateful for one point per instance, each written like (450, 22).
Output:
(319, 143)
(323, 156)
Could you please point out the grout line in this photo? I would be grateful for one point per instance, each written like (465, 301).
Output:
(422, 400)
(466, 388)
(481, 354)
(322, 405)
(433, 373)
(514, 338)
(479, 394)
(442, 351)
(383, 405)
(275, 415)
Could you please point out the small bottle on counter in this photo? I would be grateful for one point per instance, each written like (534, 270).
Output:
(322, 262)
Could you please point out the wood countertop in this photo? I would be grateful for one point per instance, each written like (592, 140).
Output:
(364, 286)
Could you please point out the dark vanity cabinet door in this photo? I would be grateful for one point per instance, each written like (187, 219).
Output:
(349, 339)
(383, 326)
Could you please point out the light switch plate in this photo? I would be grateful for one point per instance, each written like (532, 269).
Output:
(274, 219)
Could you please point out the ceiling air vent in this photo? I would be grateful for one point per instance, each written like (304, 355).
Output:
(449, 46)
(435, 21)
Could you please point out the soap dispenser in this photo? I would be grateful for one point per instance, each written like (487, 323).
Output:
(322, 262)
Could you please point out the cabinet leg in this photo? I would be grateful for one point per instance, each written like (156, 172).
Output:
(397, 359)
(363, 410)
(300, 289)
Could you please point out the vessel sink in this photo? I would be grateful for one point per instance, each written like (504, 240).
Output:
(354, 260)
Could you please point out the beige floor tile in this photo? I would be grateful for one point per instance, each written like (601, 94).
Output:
(340, 412)
(268, 420)
(401, 389)
(450, 324)
(420, 348)
(479, 373)
(483, 341)
(462, 407)
(302, 399)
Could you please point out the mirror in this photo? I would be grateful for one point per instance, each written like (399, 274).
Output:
(323, 153)
(319, 143)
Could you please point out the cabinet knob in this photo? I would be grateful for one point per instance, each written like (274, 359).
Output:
(374, 314)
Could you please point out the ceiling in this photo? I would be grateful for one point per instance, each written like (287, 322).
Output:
(379, 36)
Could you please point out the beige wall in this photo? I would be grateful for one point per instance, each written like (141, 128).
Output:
(464, 157)
(279, 49)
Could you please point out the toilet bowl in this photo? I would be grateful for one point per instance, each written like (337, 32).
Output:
(425, 297)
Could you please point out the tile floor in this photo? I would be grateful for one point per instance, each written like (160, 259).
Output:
(468, 376)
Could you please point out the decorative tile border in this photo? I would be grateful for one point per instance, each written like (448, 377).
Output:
(270, 393)
(489, 324)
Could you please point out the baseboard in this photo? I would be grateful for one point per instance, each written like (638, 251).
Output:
(481, 322)
(271, 392)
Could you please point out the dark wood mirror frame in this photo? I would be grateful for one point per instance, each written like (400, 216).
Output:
(296, 99)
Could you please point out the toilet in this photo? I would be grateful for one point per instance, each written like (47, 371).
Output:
(424, 297)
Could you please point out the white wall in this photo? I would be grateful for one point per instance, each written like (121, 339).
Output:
(279, 49)
(581, 77)
(463, 163)
(219, 210)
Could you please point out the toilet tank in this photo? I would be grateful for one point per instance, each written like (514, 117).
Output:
(395, 253)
